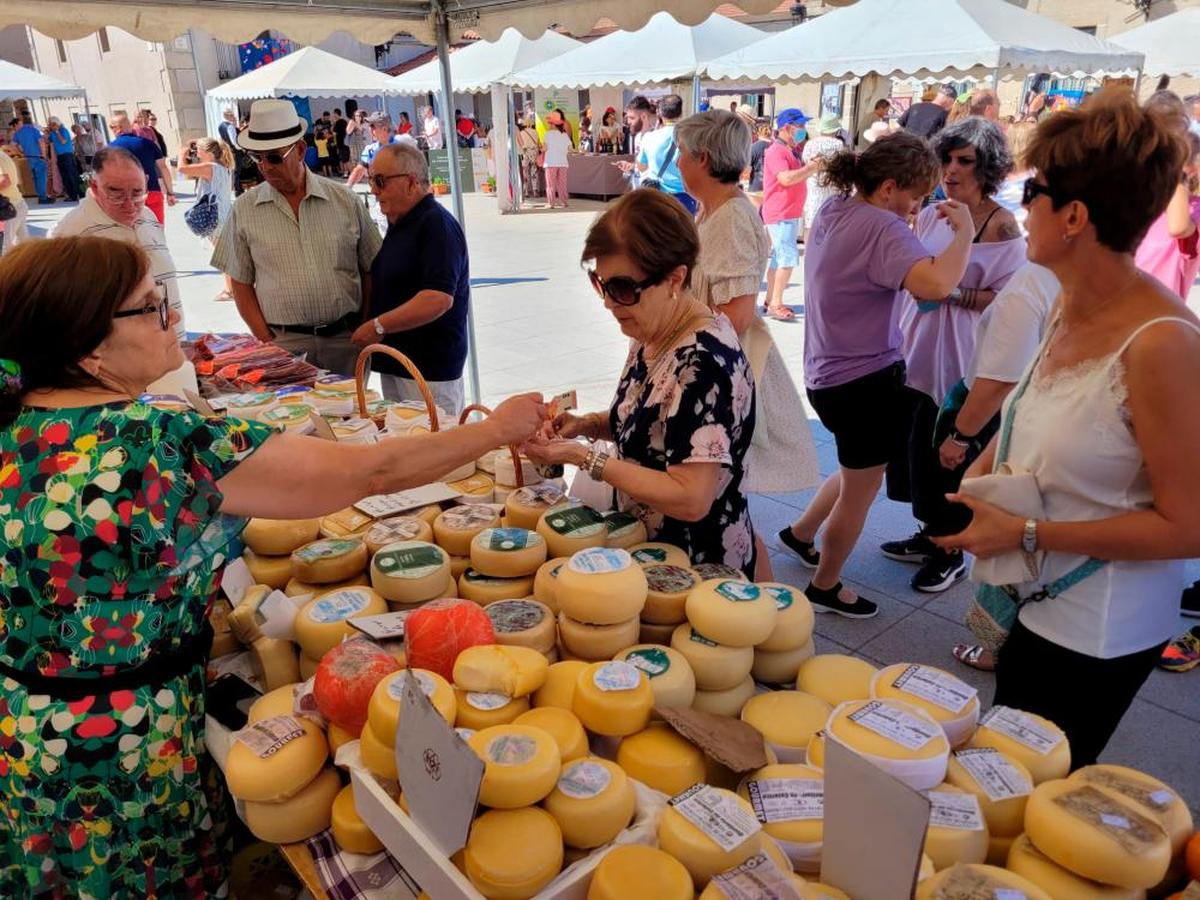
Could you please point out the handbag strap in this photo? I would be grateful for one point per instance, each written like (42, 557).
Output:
(666, 160)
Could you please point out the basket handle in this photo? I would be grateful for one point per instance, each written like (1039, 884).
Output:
(360, 380)
(512, 448)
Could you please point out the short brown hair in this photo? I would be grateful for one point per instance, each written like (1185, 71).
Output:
(57, 299)
(902, 157)
(651, 228)
(1019, 135)
(1087, 154)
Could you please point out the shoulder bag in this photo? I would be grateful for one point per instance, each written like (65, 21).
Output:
(201, 219)
(656, 182)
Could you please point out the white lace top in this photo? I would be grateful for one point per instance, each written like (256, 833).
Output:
(1073, 431)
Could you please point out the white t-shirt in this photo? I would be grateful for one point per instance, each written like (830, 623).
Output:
(1010, 330)
(433, 133)
(557, 144)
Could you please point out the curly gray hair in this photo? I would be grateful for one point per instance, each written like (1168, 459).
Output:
(993, 161)
(721, 136)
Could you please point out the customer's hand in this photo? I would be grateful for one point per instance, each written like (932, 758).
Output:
(569, 426)
(958, 215)
(992, 531)
(519, 418)
(554, 451)
(952, 453)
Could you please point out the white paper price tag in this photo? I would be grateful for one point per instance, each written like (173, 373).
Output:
(960, 811)
(385, 627)
(278, 614)
(940, 688)
(758, 878)
(787, 799)
(236, 580)
(1021, 728)
(718, 815)
(896, 725)
(998, 777)
(382, 505)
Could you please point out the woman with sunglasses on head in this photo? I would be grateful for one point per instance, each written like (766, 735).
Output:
(212, 167)
(683, 413)
(119, 519)
(1105, 420)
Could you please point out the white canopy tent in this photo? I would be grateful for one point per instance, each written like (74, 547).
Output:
(476, 67)
(1171, 44)
(17, 82)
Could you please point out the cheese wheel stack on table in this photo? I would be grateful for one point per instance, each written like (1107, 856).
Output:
(600, 594)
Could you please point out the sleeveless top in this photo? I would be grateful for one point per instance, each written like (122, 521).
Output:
(1073, 431)
(221, 185)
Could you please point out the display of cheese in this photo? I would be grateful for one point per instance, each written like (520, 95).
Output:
(613, 699)
(485, 589)
(957, 832)
(793, 619)
(506, 470)
(1152, 798)
(277, 702)
(297, 588)
(337, 737)
(274, 662)
(275, 758)
(477, 488)
(295, 418)
(545, 582)
(308, 666)
(671, 677)
(524, 506)
(1039, 744)
(507, 552)
(383, 709)
(709, 830)
(512, 854)
(323, 622)
(787, 720)
(978, 881)
(899, 738)
(396, 529)
(1001, 784)
(346, 679)
(329, 560)
(733, 613)
(250, 405)
(592, 802)
(377, 756)
(728, 702)
(667, 591)
(273, 571)
(299, 817)
(355, 431)
(350, 832)
(1094, 834)
(780, 666)
(439, 631)
(571, 527)
(949, 699)
(789, 801)
(1027, 861)
(712, 571)
(836, 678)
(662, 758)
(455, 528)
(559, 687)
(244, 619)
(523, 623)
(599, 586)
(596, 642)
(635, 870)
(410, 571)
(500, 669)
(521, 765)
(345, 523)
(717, 667)
(625, 530)
(478, 711)
(560, 724)
(655, 553)
(757, 876)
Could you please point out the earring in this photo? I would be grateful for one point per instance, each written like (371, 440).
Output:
(674, 295)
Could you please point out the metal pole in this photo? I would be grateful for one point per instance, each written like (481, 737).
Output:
(696, 93)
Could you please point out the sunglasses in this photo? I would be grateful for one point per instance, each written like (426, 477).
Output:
(1032, 190)
(162, 307)
(380, 181)
(271, 157)
(621, 289)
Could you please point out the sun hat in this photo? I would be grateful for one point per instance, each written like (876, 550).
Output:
(746, 111)
(274, 124)
(829, 124)
(790, 116)
(876, 131)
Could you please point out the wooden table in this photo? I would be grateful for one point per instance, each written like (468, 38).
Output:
(301, 861)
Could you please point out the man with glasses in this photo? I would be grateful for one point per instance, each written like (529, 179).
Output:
(159, 179)
(420, 283)
(298, 247)
(381, 131)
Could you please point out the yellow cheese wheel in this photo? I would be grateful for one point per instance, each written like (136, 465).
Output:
(523, 623)
(383, 712)
(957, 831)
(817, 891)
(458, 565)
(475, 489)
(350, 832)
(780, 666)
(559, 687)
(545, 582)
(1095, 835)
(835, 678)
(649, 633)
(771, 849)
(596, 642)
(656, 553)
(1001, 784)
(275, 758)
(1034, 741)
(329, 560)
(758, 876)
(671, 677)
(348, 522)
(274, 662)
(395, 529)
(455, 528)
(571, 527)
(952, 702)
(700, 854)
(410, 571)
(613, 699)
(793, 620)
(512, 854)
(299, 817)
(478, 711)
(273, 571)
(730, 612)
(592, 802)
(1027, 861)
(279, 537)
(717, 667)
(976, 881)
(728, 702)
(507, 552)
(789, 800)
(625, 530)
(814, 754)
(308, 666)
(1152, 798)
(667, 589)
(662, 758)
(635, 870)
(902, 740)
(521, 765)
(560, 724)
(323, 622)
(787, 720)
(600, 586)
(483, 589)
(377, 756)
(338, 737)
(278, 702)
(998, 850)
(297, 588)
(244, 619)
(500, 669)
(524, 506)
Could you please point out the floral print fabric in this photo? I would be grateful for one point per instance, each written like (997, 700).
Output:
(112, 548)
(697, 405)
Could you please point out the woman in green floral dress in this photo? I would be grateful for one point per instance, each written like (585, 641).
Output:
(117, 519)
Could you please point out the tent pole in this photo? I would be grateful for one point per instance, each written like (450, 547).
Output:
(696, 93)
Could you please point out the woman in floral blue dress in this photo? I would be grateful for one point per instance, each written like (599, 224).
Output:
(116, 521)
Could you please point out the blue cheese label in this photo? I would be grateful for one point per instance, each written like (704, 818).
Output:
(337, 606)
(600, 560)
(651, 660)
(327, 549)
(617, 676)
(738, 591)
(508, 539)
(584, 779)
(782, 596)
(487, 701)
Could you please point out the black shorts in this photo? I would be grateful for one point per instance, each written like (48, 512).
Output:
(343, 154)
(869, 417)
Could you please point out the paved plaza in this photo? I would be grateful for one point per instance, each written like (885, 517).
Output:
(539, 326)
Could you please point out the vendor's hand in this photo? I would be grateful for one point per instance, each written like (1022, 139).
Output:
(365, 334)
(992, 530)
(952, 453)
(570, 426)
(554, 451)
(519, 418)
(958, 215)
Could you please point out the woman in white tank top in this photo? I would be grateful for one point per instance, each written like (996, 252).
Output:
(1108, 423)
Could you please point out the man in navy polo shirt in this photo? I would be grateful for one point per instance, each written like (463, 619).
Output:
(158, 173)
(419, 283)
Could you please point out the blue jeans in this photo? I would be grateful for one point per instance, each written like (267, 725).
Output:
(688, 202)
(70, 175)
(38, 168)
(784, 252)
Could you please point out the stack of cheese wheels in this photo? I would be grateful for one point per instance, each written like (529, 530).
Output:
(350, 832)
(635, 870)
(600, 594)
(789, 801)
(787, 720)
(671, 677)
(345, 523)
(488, 589)
(250, 405)
(592, 802)
(513, 853)
(1037, 743)
(493, 683)
(1097, 834)
(506, 474)
(270, 544)
(523, 623)
(411, 572)
(571, 527)
(656, 553)
(613, 699)
(383, 711)
(1027, 861)
(978, 881)
(323, 622)
(957, 831)
(455, 528)
(525, 506)
(408, 416)
(1002, 785)
(736, 615)
(950, 700)
(625, 530)
(394, 530)
(277, 767)
(722, 672)
(477, 488)
(778, 658)
(297, 588)
(329, 560)
(901, 739)
(559, 687)
(507, 552)
(546, 580)
(560, 724)
(355, 431)
(662, 758)
(686, 831)
(835, 678)
(667, 589)
(521, 765)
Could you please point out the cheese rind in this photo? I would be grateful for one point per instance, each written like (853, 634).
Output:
(997, 728)
(787, 720)
(793, 620)
(780, 666)
(667, 589)
(377, 756)
(323, 622)
(799, 826)
(350, 832)
(383, 712)
(728, 702)
(507, 552)
(512, 854)
(1027, 861)
(496, 668)
(596, 642)
(523, 623)
(633, 870)
(521, 765)
(957, 831)
(613, 699)
(625, 530)
(593, 802)
(560, 724)
(835, 678)
(700, 854)
(1000, 782)
(479, 711)
(273, 571)
(455, 528)
(297, 588)
(571, 527)
(277, 702)
(275, 758)
(976, 881)
(717, 667)
(299, 817)
(279, 537)
(671, 678)
(1152, 798)
(559, 687)
(410, 571)
(600, 586)
(661, 758)
(329, 560)
(902, 740)
(546, 581)
(274, 662)
(483, 589)
(734, 613)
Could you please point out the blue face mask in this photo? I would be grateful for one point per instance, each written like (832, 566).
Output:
(801, 134)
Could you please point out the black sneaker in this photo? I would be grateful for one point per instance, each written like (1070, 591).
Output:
(830, 601)
(810, 557)
(916, 549)
(1189, 603)
(941, 571)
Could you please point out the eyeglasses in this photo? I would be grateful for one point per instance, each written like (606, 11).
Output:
(117, 196)
(1033, 189)
(621, 289)
(380, 181)
(271, 157)
(162, 307)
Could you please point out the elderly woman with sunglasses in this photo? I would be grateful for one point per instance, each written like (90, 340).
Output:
(119, 518)
(683, 412)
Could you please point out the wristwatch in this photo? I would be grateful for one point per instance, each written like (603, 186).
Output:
(1029, 539)
(379, 329)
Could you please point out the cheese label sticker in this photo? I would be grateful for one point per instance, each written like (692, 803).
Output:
(349, 519)
(575, 521)
(738, 591)
(783, 597)
(584, 780)
(647, 555)
(999, 778)
(487, 701)
(409, 559)
(395, 688)
(958, 811)
(327, 549)
(249, 401)
(938, 687)
(337, 606)
(701, 639)
(600, 560)
(333, 382)
(617, 676)
(473, 515)
(716, 570)
(758, 878)
(718, 814)
(896, 725)
(962, 881)
(511, 749)
(473, 484)
(512, 616)
(508, 539)
(476, 578)
(546, 495)
(670, 579)
(620, 523)
(651, 660)
(464, 734)
(267, 737)
(1141, 792)
(1133, 831)
(401, 528)
(1022, 728)
(787, 799)
(286, 415)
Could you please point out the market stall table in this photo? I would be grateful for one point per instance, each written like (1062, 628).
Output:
(300, 858)
(597, 175)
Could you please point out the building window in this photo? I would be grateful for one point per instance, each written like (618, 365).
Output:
(102, 35)
(61, 48)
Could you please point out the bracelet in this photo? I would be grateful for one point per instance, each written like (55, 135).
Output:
(594, 463)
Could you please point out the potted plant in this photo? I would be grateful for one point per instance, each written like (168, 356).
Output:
(440, 186)
(489, 185)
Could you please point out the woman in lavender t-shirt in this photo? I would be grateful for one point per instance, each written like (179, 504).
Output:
(860, 256)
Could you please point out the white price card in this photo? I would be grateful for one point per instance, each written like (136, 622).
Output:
(959, 811)
(758, 878)
(385, 627)
(940, 688)
(1022, 728)
(236, 580)
(381, 505)
(278, 615)
(717, 814)
(896, 725)
(787, 799)
(999, 778)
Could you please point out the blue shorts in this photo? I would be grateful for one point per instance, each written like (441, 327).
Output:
(784, 252)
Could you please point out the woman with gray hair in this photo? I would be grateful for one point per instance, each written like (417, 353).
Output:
(939, 343)
(714, 150)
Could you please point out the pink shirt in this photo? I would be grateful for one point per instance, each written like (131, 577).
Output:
(781, 202)
(1173, 261)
